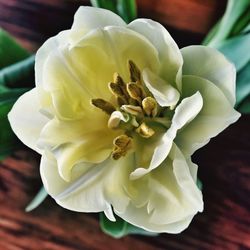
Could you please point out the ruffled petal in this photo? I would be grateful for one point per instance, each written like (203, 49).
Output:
(212, 65)
(72, 195)
(93, 188)
(165, 94)
(171, 197)
(43, 52)
(168, 51)
(185, 112)
(89, 18)
(71, 75)
(26, 120)
(217, 114)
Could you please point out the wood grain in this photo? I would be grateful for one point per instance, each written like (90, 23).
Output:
(33, 21)
(225, 223)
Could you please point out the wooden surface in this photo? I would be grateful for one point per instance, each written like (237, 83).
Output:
(224, 224)
(224, 163)
(33, 21)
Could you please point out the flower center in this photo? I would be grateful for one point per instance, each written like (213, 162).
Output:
(135, 108)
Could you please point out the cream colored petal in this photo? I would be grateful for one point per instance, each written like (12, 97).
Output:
(75, 75)
(26, 120)
(89, 18)
(217, 114)
(89, 198)
(185, 112)
(57, 132)
(164, 93)
(93, 189)
(43, 52)
(212, 65)
(120, 45)
(172, 197)
(169, 53)
(92, 150)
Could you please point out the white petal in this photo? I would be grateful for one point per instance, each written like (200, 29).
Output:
(212, 65)
(93, 188)
(169, 53)
(77, 195)
(26, 120)
(185, 112)
(165, 94)
(217, 114)
(89, 18)
(172, 197)
(43, 52)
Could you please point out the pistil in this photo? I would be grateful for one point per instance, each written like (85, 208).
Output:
(135, 109)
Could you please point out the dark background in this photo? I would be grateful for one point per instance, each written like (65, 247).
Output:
(224, 165)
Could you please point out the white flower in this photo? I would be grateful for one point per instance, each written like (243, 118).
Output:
(133, 159)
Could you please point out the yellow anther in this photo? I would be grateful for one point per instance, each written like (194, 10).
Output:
(149, 106)
(121, 101)
(135, 91)
(115, 89)
(133, 110)
(119, 81)
(135, 74)
(144, 131)
(122, 144)
(105, 106)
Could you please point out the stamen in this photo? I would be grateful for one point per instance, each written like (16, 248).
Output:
(121, 101)
(119, 81)
(105, 106)
(122, 144)
(135, 91)
(133, 110)
(144, 131)
(135, 74)
(115, 89)
(115, 119)
(149, 106)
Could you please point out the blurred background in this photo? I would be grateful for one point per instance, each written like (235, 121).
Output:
(32, 21)
(224, 163)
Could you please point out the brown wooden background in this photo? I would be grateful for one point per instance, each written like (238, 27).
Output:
(224, 163)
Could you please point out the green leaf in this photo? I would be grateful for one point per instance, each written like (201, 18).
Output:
(121, 228)
(243, 84)
(38, 199)
(105, 4)
(8, 140)
(19, 74)
(242, 23)
(237, 50)
(124, 8)
(234, 10)
(127, 9)
(246, 29)
(199, 184)
(10, 51)
(244, 107)
(211, 33)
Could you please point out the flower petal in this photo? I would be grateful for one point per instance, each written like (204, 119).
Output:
(89, 18)
(43, 52)
(172, 197)
(185, 112)
(26, 120)
(212, 65)
(168, 51)
(72, 77)
(93, 188)
(165, 94)
(67, 194)
(217, 114)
